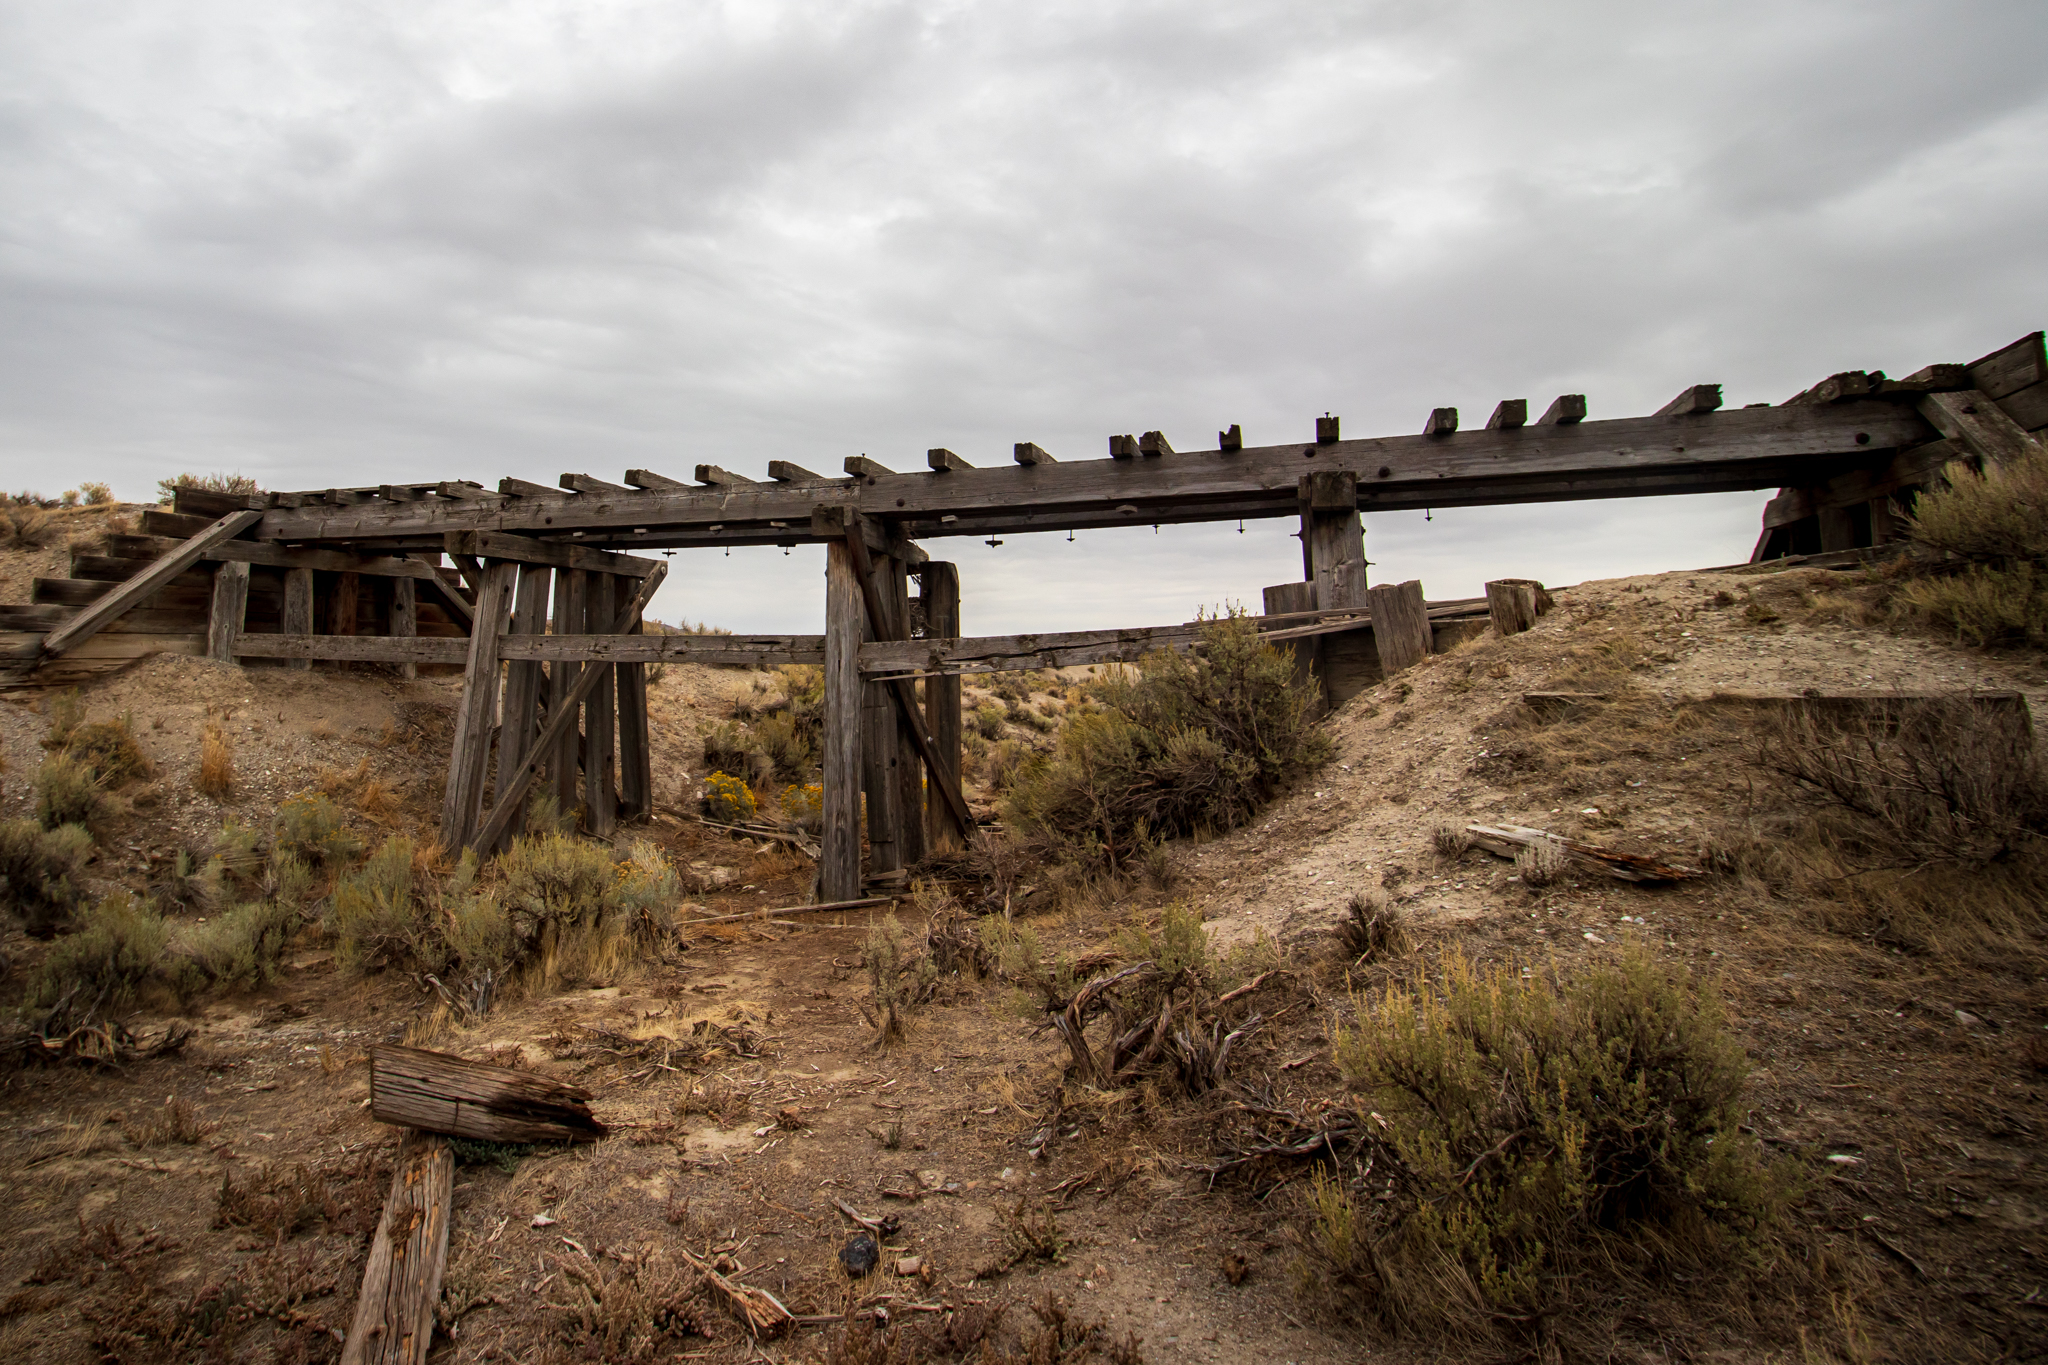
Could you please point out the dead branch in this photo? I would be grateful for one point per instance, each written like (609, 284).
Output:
(761, 1312)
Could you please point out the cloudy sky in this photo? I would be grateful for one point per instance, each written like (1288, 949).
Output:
(356, 241)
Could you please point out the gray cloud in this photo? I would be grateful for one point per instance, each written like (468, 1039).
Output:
(354, 243)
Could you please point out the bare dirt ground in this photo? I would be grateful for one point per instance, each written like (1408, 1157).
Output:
(746, 1095)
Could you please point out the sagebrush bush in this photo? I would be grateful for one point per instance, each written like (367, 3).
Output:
(67, 793)
(96, 494)
(1373, 928)
(116, 949)
(313, 827)
(240, 950)
(375, 917)
(1539, 1137)
(804, 807)
(1998, 521)
(574, 912)
(40, 872)
(1184, 743)
(27, 527)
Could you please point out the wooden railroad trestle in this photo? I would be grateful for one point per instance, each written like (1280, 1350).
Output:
(540, 604)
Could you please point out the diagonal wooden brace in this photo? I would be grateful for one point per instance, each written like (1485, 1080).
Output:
(512, 789)
(900, 690)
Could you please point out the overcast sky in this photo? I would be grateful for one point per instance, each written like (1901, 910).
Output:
(348, 243)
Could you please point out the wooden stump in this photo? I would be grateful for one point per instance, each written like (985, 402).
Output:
(1400, 625)
(1512, 606)
(437, 1093)
(394, 1321)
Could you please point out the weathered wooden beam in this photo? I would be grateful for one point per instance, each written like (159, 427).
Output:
(1909, 468)
(943, 460)
(782, 471)
(1511, 605)
(404, 621)
(839, 861)
(1027, 452)
(1154, 443)
(561, 724)
(600, 724)
(649, 480)
(636, 755)
(940, 593)
(561, 758)
(1329, 430)
(1979, 424)
(384, 649)
(1693, 398)
(2011, 368)
(138, 589)
(1508, 414)
(760, 651)
(297, 617)
(437, 1093)
(1442, 422)
(525, 683)
(554, 553)
(715, 477)
(230, 605)
(1230, 440)
(465, 490)
(585, 483)
(525, 488)
(394, 1317)
(861, 467)
(1567, 409)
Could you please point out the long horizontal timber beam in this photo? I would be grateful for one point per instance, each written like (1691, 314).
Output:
(761, 651)
(391, 649)
(1640, 456)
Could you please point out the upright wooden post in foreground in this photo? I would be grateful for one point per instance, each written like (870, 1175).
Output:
(881, 759)
(476, 717)
(942, 702)
(1332, 539)
(1511, 605)
(230, 608)
(600, 798)
(524, 681)
(562, 676)
(1400, 625)
(636, 759)
(1282, 598)
(394, 1321)
(839, 861)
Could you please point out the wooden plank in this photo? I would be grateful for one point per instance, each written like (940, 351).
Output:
(158, 575)
(230, 605)
(353, 648)
(459, 608)
(1332, 540)
(1400, 625)
(1837, 529)
(477, 714)
(205, 503)
(648, 479)
(600, 726)
(1693, 399)
(861, 467)
(910, 772)
(437, 1093)
(1287, 600)
(1508, 840)
(942, 701)
(394, 1317)
(1979, 424)
(297, 618)
(1230, 440)
(554, 553)
(1512, 607)
(878, 748)
(2011, 368)
(2028, 407)
(561, 726)
(404, 623)
(80, 592)
(1153, 443)
(41, 620)
(758, 651)
(839, 865)
(520, 721)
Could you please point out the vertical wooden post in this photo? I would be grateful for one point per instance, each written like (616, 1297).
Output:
(1308, 655)
(1511, 605)
(880, 759)
(600, 796)
(1400, 625)
(477, 714)
(1332, 539)
(523, 684)
(346, 605)
(839, 863)
(1884, 528)
(569, 600)
(910, 775)
(942, 717)
(230, 608)
(298, 610)
(405, 618)
(636, 759)
(1837, 529)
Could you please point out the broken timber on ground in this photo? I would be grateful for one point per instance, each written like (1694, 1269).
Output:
(1508, 840)
(437, 1093)
(394, 1318)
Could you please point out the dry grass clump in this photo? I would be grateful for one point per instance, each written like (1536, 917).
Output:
(1533, 1142)
(216, 777)
(1185, 743)
(175, 1122)
(1996, 521)
(1373, 929)
(1541, 863)
(901, 977)
(280, 1200)
(632, 1313)
(216, 482)
(1451, 842)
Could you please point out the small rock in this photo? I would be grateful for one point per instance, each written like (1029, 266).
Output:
(1967, 1019)
(541, 1220)
(910, 1266)
(860, 1256)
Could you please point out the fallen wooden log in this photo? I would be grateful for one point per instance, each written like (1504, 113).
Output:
(863, 903)
(394, 1321)
(1508, 840)
(437, 1093)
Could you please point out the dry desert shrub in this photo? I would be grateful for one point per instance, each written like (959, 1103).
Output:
(216, 776)
(1541, 863)
(1996, 522)
(1373, 929)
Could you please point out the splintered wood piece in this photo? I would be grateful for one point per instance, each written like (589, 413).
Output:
(437, 1093)
(394, 1321)
(713, 476)
(942, 459)
(1026, 452)
(526, 488)
(1123, 447)
(1231, 439)
(94, 618)
(584, 483)
(1154, 443)
(1508, 414)
(1694, 398)
(782, 471)
(1978, 424)
(760, 1311)
(1931, 379)
(1508, 840)
(861, 467)
(1564, 410)
(1442, 422)
(648, 479)
(1512, 606)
